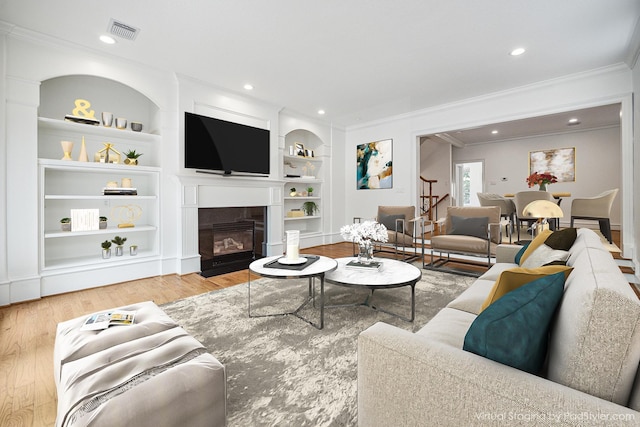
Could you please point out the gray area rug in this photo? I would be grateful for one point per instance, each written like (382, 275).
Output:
(282, 371)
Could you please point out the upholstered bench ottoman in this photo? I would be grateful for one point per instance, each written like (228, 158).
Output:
(150, 373)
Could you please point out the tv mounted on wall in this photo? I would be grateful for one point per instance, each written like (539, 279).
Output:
(226, 148)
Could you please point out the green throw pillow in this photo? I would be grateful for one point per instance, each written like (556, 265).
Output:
(514, 330)
(520, 252)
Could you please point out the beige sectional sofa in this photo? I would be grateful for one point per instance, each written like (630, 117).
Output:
(151, 373)
(591, 375)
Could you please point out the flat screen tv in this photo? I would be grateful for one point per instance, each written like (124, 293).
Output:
(227, 148)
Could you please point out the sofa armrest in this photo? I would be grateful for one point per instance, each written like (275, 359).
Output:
(507, 253)
(408, 379)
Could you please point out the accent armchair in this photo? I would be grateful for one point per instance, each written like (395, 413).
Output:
(597, 208)
(468, 230)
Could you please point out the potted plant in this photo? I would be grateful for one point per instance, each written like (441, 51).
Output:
(119, 241)
(310, 208)
(310, 191)
(132, 157)
(292, 192)
(65, 224)
(106, 249)
(103, 222)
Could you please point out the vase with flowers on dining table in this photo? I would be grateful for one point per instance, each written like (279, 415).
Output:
(541, 180)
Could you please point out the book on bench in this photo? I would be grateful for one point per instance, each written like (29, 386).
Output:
(103, 320)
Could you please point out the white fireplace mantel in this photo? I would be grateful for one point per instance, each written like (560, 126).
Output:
(215, 191)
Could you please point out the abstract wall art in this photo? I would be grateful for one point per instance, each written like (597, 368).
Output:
(375, 165)
(560, 162)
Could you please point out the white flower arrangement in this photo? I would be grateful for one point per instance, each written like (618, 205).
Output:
(361, 232)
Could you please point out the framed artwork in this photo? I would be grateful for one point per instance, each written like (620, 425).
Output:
(560, 162)
(374, 165)
(298, 149)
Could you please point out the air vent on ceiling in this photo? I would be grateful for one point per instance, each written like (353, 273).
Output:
(122, 30)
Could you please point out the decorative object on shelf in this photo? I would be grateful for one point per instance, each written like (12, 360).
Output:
(560, 162)
(298, 149)
(119, 241)
(293, 245)
(541, 180)
(126, 214)
(82, 114)
(106, 249)
(309, 153)
(103, 222)
(307, 171)
(374, 165)
(131, 157)
(292, 192)
(67, 147)
(310, 191)
(364, 234)
(127, 183)
(121, 123)
(310, 208)
(85, 219)
(108, 154)
(112, 184)
(295, 213)
(136, 126)
(107, 119)
(65, 224)
(83, 157)
(133, 250)
(82, 109)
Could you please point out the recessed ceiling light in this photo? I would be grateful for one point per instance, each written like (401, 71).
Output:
(495, 132)
(321, 112)
(573, 120)
(248, 86)
(107, 39)
(517, 52)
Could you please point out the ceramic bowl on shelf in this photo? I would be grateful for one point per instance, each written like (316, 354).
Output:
(136, 126)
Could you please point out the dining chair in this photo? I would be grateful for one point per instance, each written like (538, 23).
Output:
(597, 208)
(521, 200)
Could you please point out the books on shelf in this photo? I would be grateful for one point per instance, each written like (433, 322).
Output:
(120, 191)
(372, 266)
(103, 320)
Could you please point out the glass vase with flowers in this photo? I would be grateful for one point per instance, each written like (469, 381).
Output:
(364, 234)
(541, 180)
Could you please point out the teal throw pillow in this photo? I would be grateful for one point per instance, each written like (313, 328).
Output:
(520, 252)
(514, 330)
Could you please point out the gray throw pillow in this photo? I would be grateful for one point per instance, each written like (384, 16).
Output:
(389, 221)
(470, 226)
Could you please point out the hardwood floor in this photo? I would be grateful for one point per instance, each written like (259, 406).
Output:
(27, 332)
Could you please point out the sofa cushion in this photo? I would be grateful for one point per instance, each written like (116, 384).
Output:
(537, 241)
(510, 280)
(595, 342)
(514, 329)
(545, 255)
(562, 239)
(473, 297)
(449, 327)
(550, 248)
(470, 226)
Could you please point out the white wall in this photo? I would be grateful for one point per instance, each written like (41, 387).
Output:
(597, 165)
(598, 87)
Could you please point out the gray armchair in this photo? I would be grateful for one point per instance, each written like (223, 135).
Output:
(469, 230)
(597, 208)
(507, 208)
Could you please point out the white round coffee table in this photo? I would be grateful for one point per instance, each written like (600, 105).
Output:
(392, 274)
(269, 267)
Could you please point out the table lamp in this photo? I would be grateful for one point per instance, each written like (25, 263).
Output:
(542, 209)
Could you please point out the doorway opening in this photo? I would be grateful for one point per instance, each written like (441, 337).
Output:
(469, 181)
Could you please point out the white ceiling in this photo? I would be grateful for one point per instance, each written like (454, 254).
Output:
(359, 60)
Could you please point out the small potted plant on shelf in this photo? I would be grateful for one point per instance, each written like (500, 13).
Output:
(292, 192)
(65, 224)
(119, 241)
(132, 157)
(310, 208)
(310, 191)
(103, 222)
(106, 249)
